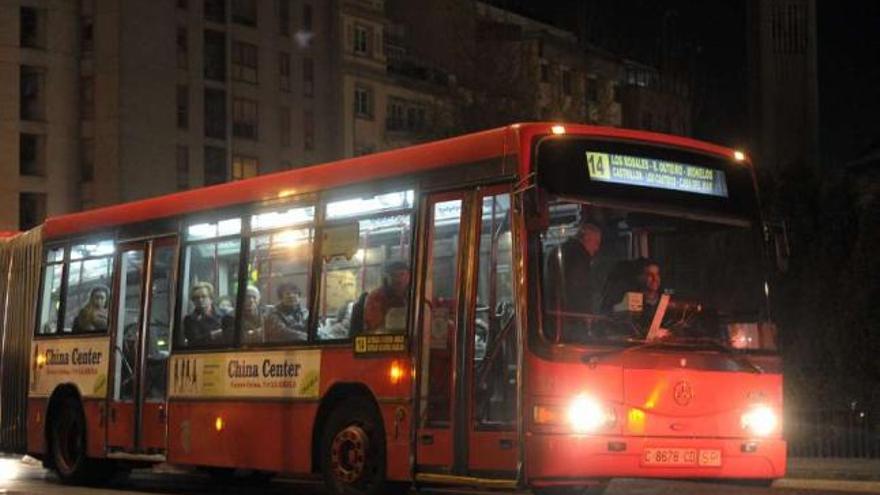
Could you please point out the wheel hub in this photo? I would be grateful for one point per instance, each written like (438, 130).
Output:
(348, 454)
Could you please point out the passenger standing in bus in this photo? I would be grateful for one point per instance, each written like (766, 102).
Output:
(385, 306)
(568, 272)
(251, 317)
(289, 319)
(203, 326)
(93, 316)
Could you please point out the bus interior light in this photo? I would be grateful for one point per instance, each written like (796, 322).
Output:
(219, 424)
(761, 420)
(558, 130)
(588, 415)
(739, 155)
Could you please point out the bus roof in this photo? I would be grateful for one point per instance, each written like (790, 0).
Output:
(413, 159)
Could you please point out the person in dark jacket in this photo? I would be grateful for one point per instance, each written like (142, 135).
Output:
(288, 320)
(203, 326)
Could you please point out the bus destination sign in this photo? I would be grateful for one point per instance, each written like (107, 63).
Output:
(652, 172)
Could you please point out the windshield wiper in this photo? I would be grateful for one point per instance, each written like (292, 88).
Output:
(717, 345)
(595, 357)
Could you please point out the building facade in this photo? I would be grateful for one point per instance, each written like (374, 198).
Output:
(783, 92)
(105, 101)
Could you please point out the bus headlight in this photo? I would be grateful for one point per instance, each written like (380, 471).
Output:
(588, 415)
(760, 420)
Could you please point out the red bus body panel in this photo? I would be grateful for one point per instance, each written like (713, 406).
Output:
(276, 435)
(640, 387)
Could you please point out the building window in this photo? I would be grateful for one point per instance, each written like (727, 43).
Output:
(244, 12)
(361, 40)
(308, 76)
(308, 130)
(405, 116)
(31, 85)
(593, 89)
(182, 48)
(307, 17)
(87, 160)
(31, 155)
(87, 98)
(283, 8)
(182, 106)
(215, 11)
(284, 71)
(31, 210)
(244, 167)
(215, 165)
(215, 55)
(244, 118)
(244, 62)
(284, 125)
(33, 28)
(395, 119)
(86, 35)
(182, 168)
(363, 104)
(566, 82)
(215, 113)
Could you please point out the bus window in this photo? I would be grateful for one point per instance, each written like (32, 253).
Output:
(51, 296)
(88, 287)
(210, 284)
(495, 350)
(368, 290)
(279, 269)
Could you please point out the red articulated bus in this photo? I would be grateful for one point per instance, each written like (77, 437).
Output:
(537, 307)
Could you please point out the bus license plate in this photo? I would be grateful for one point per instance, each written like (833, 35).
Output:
(681, 457)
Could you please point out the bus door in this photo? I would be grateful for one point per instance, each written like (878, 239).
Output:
(142, 312)
(466, 424)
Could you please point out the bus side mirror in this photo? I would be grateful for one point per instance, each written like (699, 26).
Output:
(537, 213)
(776, 234)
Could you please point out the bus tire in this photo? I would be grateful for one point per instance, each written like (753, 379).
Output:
(353, 450)
(68, 446)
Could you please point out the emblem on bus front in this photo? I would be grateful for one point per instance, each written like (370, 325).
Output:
(682, 393)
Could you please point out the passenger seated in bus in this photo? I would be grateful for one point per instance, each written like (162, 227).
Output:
(385, 306)
(288, 320)
(203, 326)
(225, 307)
(340, 326)
(251, 317)
(567, 280)
(93, 316)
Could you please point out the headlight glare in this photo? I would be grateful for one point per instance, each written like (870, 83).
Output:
(587, 415)
(760, 420)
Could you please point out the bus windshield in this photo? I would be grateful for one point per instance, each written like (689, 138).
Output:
(613, 275)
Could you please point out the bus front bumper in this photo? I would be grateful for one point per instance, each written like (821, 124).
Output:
(560, 459)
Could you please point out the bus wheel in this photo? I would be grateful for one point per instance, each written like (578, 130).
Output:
(353, 450)
(68, 444)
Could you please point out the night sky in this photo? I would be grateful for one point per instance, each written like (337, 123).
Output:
(712, 35)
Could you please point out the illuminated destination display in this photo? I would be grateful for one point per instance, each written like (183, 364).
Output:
(651, 172)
